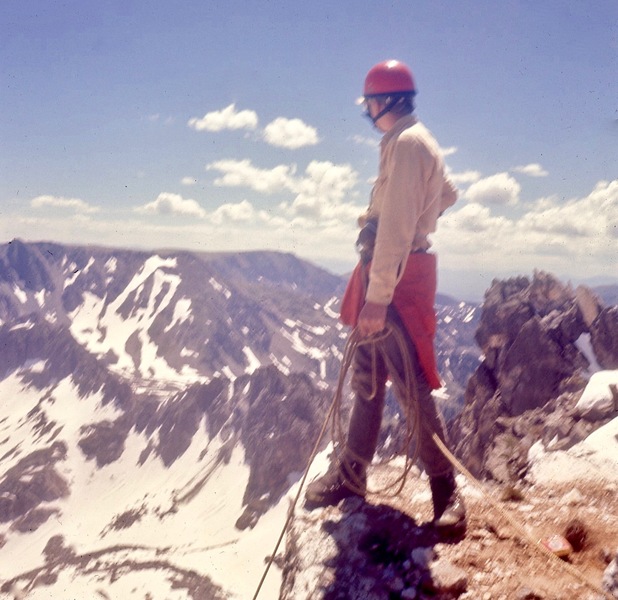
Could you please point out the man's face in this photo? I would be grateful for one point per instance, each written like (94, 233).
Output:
(373, 107)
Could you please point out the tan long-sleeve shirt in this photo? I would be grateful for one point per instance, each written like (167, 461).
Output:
(410, 193)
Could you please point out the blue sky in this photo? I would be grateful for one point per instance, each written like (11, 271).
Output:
(232, 126)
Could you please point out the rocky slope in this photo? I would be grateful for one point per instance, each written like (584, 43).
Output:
(383, 549)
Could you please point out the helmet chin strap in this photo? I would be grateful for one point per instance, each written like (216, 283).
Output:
(390, 104)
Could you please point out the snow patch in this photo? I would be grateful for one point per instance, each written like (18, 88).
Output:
(111, 265)
(252, 359)
(26, 325)
(584, 345)
(40, 298)
(102, 329)
(593, 459)
(182, 311)
(328, 308)
(312, 352)
(220, 288)
(598, 400)
(20, 294)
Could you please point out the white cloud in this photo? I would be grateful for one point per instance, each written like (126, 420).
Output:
(290, 133)
(578, 237)
(532, 170)
(188, 180)
(322, 190)
(227, 118)
(172, 204)
(74, 204)
(234, 212)
(499, 189)
(362, 140)
(465, 177)
(449, 151)
(242, 173)
(156, 118)
(590, 221)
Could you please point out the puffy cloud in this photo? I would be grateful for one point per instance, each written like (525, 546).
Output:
(586, 221)
(188, 180)
(321, 191)
(74, 204)
(577, 237)
(499, 189)
(157, 118)
(290, 133)
(362, 140)
(281, 132)
(476, 218)
(242, 173)
(227, 118)
(235, 212)
(533, 170)
(172, 204)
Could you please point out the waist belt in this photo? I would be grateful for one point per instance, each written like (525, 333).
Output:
(366, 240)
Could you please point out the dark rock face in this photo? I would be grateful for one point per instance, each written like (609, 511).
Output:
(279, 431)
(532, 373)
(28, 266)
(31, 482)
(604, 337)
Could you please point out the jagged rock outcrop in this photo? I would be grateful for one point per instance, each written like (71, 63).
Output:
(534, 370)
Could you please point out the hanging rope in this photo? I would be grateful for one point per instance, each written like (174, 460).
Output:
(569, 568)
(345, 364)
(407, 393)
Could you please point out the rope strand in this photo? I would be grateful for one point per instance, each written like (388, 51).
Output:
(407, 391)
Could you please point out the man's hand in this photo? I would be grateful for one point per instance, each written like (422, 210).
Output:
(372, 318)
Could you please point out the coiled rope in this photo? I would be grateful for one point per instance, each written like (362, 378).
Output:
(407, 392)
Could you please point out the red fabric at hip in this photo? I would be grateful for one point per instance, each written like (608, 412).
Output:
(413, 300)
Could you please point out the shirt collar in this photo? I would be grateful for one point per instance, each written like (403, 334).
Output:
(401, 124)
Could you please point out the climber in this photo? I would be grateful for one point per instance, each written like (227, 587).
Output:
(395, 283)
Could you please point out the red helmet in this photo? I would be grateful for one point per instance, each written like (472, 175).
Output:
(389, 77)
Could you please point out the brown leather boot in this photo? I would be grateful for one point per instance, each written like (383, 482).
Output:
(449, 512)
(338, 483)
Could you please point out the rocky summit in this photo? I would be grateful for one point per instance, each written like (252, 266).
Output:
(537, 450)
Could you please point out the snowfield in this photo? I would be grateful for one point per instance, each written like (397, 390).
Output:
(180, 517)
